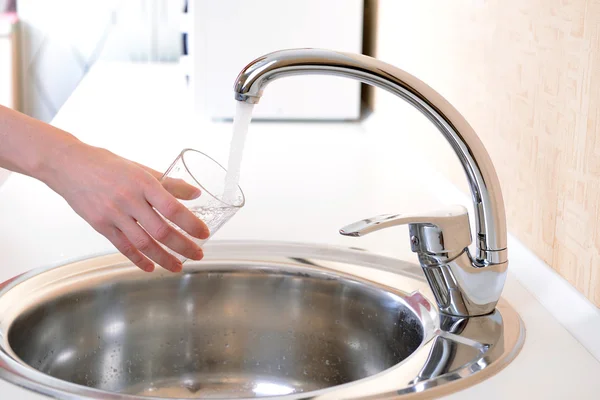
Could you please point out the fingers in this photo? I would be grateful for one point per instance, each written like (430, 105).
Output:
(163, 232)
(143, 243)
(176, 212)
(120, 241)
(181, 189)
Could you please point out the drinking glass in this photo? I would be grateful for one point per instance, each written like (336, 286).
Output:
(213, 206)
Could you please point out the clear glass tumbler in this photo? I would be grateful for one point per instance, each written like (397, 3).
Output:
(197, 169)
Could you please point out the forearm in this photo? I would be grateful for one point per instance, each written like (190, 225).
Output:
(122, 200)
(29, 146)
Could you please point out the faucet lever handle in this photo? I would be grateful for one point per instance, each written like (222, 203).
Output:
(442, 231)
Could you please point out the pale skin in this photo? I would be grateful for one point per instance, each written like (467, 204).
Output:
(116, 196)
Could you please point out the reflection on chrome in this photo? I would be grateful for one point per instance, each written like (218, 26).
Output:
(271, 389)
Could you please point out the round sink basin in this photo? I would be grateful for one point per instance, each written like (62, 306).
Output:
(248, 321)
(238, 331)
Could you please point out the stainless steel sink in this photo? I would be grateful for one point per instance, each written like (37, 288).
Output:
(251, 320)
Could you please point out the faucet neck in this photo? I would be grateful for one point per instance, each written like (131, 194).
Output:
(490, 220)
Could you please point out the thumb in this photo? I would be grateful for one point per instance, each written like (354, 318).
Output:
(177, 187)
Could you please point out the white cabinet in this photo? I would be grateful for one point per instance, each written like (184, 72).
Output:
(227, 34)
(8, 61)
(8, 68)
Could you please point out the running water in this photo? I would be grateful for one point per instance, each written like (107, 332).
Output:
(241, 121)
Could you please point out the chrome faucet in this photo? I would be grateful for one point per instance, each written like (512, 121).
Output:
(463, 284)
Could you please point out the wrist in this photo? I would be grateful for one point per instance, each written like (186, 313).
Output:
(55, 159)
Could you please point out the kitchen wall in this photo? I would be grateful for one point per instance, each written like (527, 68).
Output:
(526, 75)
(62, 39)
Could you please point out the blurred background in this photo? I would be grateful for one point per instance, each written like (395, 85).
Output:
(49, 46)
(522, 72)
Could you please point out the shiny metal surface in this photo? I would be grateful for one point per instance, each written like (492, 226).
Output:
(490, 219)
(253, 319)
(294, 327)
(441, 234)
(440, 238)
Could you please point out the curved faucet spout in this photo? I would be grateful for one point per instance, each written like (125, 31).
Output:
(490, 220)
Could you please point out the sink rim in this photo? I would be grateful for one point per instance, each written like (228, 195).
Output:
(13, 370)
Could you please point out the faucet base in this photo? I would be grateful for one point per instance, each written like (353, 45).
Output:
(462, 290)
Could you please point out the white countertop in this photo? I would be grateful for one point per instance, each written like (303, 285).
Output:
(302, 181)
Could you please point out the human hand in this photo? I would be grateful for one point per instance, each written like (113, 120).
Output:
(120, 200)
